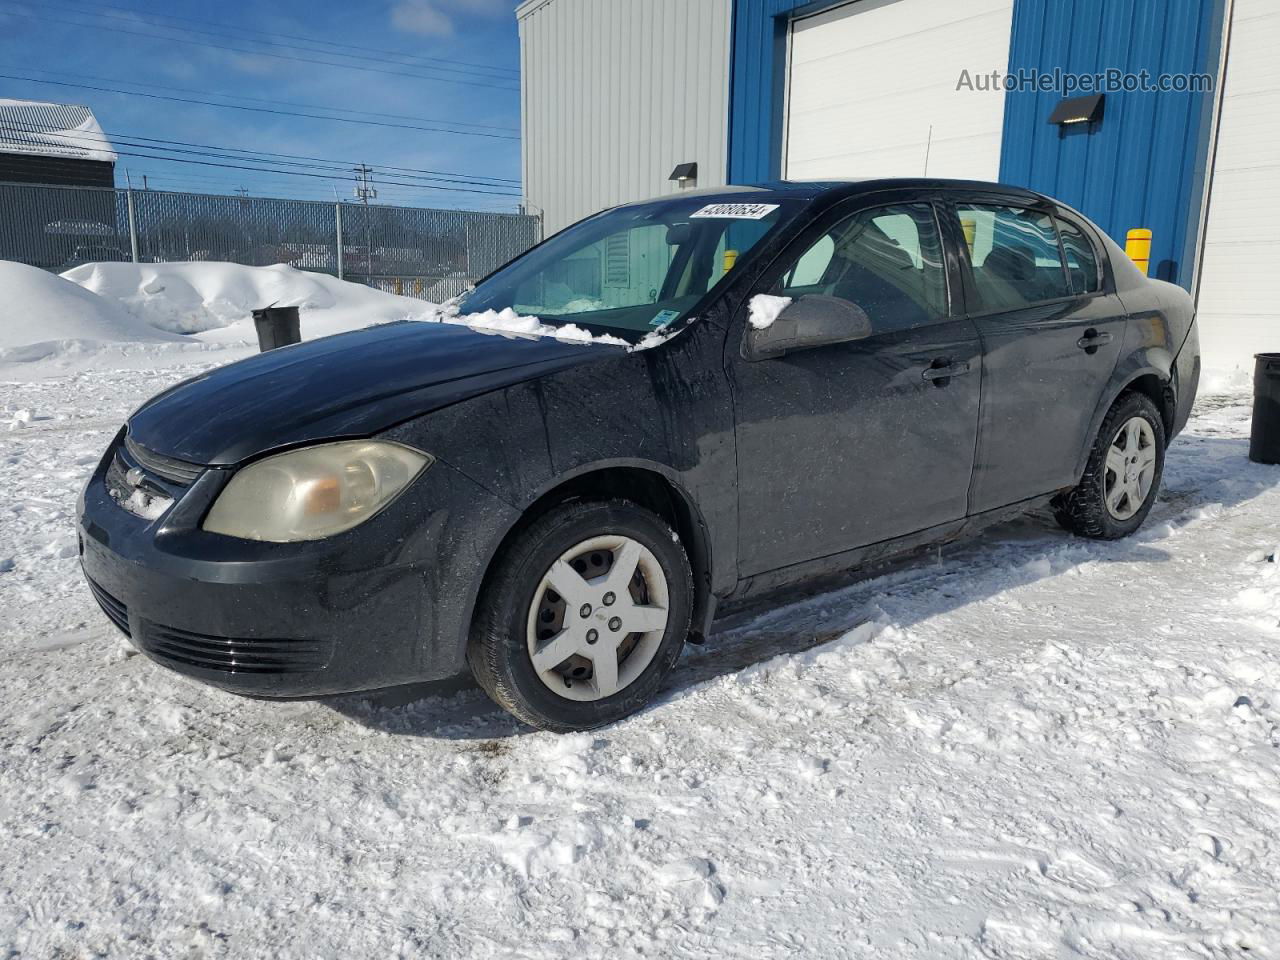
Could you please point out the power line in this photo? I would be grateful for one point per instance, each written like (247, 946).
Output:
(279, 103)
(235, 33)
(293, 173)
(261, 53)
(107, 139)
(236, 106)
(184, 182)
(315, 40)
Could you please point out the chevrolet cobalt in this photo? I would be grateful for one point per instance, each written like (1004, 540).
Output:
(744, 389)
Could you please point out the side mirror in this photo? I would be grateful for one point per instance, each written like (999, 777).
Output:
(811, 321)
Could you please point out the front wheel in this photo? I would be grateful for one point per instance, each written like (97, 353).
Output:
(1122, 476)
(583, 616)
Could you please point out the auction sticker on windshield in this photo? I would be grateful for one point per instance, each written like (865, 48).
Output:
(737, 211)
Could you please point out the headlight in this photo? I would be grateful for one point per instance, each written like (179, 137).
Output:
(314, 492)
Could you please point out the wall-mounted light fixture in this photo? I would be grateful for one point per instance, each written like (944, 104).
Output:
(1075, 110)
(685, 174)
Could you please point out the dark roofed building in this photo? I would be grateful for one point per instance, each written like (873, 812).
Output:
(56, 143)
(50, 155)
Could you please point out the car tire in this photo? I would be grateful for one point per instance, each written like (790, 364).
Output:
(558, 589)
(1122, 477)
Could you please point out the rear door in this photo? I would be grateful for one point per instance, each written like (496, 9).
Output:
(1051, 334)
(849, 444)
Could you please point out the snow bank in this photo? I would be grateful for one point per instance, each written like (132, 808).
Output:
(42, 315)
(132, 315)
(217, 299)
(214, 302)
(1219, 379)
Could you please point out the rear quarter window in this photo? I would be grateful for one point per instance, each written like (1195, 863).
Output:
(1082, 259)
(1014, 254)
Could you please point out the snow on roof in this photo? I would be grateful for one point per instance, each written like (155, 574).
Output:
(52, 130)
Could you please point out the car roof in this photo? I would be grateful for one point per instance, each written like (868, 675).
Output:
(832, 190)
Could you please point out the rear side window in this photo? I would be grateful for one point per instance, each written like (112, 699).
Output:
(888, 261)
(1015, 256)
(1082, 260)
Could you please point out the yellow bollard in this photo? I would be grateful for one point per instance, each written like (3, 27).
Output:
(1137, 244)
(970, 227)
(730, 258)
(399, 287)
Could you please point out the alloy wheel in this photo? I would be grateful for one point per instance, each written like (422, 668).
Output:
(1131, 467)
(597, 618)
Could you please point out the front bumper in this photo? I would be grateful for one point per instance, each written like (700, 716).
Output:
(352, 612)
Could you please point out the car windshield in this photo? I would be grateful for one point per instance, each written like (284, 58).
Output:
(633, 269)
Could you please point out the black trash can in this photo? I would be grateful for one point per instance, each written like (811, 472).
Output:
(1264, 440)
(277, 327)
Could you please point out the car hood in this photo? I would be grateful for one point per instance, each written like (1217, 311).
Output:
(349, 385)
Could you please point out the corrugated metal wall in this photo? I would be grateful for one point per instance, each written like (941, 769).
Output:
(759, 84)
(614, 94)
(1143, 165)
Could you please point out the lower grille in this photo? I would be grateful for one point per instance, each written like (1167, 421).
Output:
(234, 655)
(116, 611)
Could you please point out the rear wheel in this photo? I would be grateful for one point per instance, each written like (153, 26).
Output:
(1122, 476)
(583, 616)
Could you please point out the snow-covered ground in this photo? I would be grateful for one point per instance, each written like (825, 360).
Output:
(1027, 746)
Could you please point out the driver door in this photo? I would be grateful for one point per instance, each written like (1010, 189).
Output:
(846, 445)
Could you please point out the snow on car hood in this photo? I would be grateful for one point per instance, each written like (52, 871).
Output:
(350, 385)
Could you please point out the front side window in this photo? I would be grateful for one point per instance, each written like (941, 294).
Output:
(888, 261)
(1082, 261)
(633, 269)
(1015, 256)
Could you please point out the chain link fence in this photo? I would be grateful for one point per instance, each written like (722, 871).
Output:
(432, 254)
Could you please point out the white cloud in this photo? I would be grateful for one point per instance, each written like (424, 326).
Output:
(421, 17)
(435, 18)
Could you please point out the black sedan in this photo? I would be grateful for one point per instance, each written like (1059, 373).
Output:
(729, 392)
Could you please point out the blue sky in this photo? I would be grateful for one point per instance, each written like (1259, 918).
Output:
(463, 77)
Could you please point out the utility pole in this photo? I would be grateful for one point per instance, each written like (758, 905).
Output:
(365, 192)
(242, 190)
(364, 183)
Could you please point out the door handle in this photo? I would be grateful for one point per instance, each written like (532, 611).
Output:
(941, 370)
(1092, 340)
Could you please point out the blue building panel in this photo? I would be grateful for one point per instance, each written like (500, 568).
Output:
(756, 87)
(1142, 165)
(757, 84)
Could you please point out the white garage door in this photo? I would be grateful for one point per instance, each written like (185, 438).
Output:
(872, 90)
(1240, 272)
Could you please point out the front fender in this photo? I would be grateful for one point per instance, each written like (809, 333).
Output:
(666, 411)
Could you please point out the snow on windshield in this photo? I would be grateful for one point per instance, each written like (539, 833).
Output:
(507, 321)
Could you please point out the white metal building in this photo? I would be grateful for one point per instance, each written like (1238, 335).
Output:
(614, 94)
